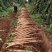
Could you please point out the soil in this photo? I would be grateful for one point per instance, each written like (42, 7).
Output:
(4, 29)
(12, 15)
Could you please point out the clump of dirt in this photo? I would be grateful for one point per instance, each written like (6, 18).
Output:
(12, 15)
(4, 29)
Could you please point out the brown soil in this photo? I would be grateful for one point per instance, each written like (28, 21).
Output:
(4, 29)
(12, 15)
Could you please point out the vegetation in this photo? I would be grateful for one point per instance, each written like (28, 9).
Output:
(43, 7)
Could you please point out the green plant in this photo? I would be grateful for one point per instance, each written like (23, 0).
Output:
(4, 13)
(37, 18)
(9, 39)
(13, 22)
(0, 8)
(11, 9)
(28, 48)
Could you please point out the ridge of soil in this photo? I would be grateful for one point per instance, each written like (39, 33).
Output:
(28, 33)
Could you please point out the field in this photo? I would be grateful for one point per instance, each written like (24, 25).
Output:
(25, 30)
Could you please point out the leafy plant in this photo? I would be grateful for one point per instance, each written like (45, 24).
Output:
(4, 13)
(11, 9)
(37, 18)
(28, 48)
